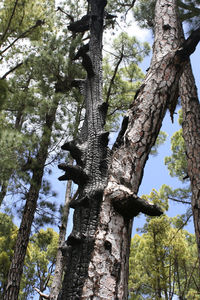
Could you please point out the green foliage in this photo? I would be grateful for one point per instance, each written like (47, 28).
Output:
(181, 194)
(162, 260)
(177, 162)
(39, 263)
(144, 13)
(122, 76)
(159, 198)
(17, 17)
(8, 235)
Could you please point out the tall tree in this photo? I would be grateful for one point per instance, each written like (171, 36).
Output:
(98, 248)
(189, 12)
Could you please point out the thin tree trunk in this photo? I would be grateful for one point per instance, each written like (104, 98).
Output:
(18, 126)
(16, 268)
(57, 279)
(191, 135)
(3, 191)
(97, 251)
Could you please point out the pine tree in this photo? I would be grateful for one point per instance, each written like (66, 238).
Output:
(97, 263)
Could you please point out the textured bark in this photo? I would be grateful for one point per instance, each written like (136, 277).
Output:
(16, 268)
(97, 251)
(91, 147)
(191, 135)
(108, 269)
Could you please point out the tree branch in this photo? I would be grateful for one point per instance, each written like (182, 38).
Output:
(131, 206)
(23, 35)
(189, 45)
(9, 22)
(41, 294)
(74, 173)
(180, 201)
(69, 16)
(11, 70)
(113, 77)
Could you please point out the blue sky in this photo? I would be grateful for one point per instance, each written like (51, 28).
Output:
(155, 173)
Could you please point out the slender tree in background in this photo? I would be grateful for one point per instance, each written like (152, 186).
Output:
(36, 166)
(98, 248)
(191, 135)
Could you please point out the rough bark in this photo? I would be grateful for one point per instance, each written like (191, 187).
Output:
(108, 269)
(191, 135)
(97, 251)
(16, 268)
(90, 173)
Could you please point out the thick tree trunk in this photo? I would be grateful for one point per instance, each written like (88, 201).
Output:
(108, 269)
(97, 251)
(191, 135)
(16, 268)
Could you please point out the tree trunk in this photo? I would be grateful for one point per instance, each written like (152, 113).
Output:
(18, 127)
(57, 278)
(16, 268)
(191, 135)
(97, 251)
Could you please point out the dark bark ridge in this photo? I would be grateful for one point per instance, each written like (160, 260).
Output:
(91, 153)
(93, 156)
(129, 156)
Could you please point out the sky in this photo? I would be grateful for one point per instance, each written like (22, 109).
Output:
(155, 173)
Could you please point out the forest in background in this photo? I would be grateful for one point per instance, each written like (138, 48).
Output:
(41, 108)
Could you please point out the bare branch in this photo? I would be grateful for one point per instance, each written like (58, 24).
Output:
(69, 16)
(23, 35)
(113, 77)
(10, 20)
(180, 201)
(11, 70)
(41, 294)
(189, 45)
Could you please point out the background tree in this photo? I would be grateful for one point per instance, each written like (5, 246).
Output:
(163, 261)
(8, 234)
(39, 263)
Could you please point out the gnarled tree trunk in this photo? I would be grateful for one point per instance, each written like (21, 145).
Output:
(97, 251)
